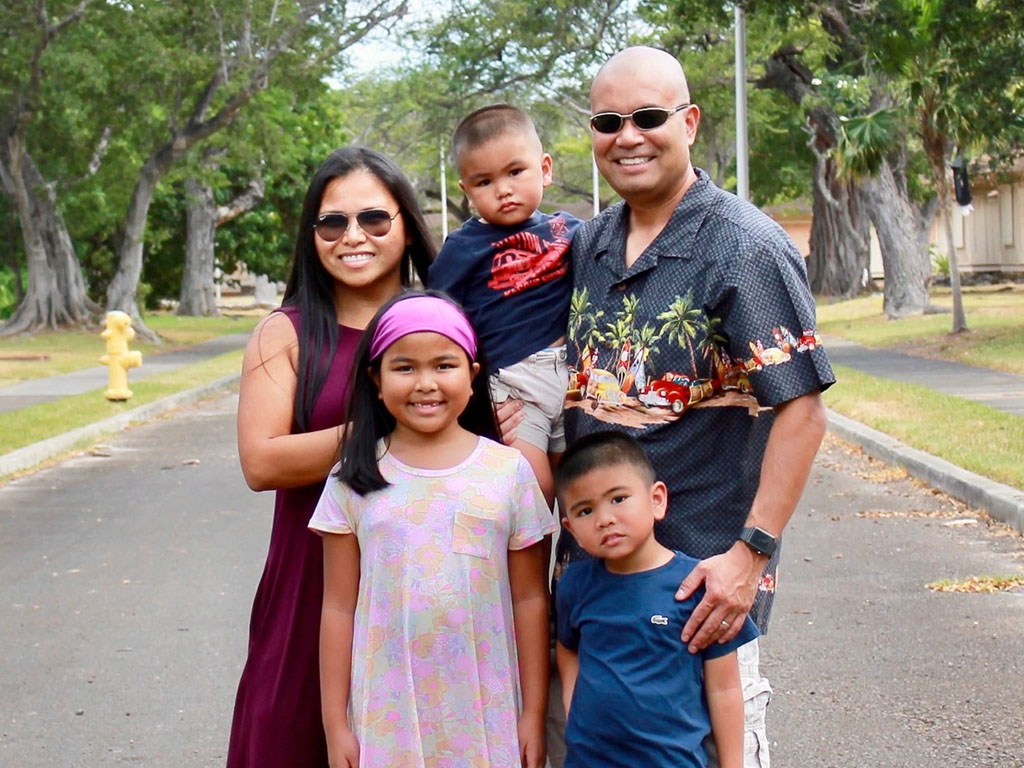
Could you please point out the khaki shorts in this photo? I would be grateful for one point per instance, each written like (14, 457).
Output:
(756, 695)
(540, 381)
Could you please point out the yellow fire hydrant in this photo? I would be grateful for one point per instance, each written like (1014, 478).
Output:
(118, 333)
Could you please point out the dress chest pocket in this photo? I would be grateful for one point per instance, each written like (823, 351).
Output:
(473, 534)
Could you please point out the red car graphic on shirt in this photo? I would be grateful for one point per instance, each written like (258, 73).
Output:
(524, 260)
(676, 391)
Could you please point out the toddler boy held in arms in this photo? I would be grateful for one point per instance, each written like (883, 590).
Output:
(633, 692)
(509, 269)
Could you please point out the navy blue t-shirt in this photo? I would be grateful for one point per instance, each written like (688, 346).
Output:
(513, 282)
(639, 697)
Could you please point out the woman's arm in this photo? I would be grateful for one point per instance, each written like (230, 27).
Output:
(725, 704)
(337, 621)
(527, 574)
(270, 455)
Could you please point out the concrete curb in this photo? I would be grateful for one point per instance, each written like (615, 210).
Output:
(1002, 502)
(44, 450)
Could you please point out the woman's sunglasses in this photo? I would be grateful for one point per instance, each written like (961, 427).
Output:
(645, 118)
(375, 222)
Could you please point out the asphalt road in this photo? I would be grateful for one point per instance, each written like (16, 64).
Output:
(126, 580)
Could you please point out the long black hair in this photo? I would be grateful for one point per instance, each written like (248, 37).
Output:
(311, 289)
(369, 421)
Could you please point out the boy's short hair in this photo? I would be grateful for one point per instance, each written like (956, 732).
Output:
(483, 125)
(607, 448)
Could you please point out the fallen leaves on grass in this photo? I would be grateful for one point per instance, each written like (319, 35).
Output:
(884, 475)
(978, 584)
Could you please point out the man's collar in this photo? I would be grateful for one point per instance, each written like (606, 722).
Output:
(687, 217)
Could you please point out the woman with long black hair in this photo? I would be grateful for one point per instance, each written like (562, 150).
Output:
(361, 237)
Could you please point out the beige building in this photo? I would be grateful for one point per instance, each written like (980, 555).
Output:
(989, 239)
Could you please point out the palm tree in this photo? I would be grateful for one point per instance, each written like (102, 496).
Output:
(583, 328)
(646, 338)
(619, 336)
(630, 304)
(712, 343)
(683, 321)
(577, 313)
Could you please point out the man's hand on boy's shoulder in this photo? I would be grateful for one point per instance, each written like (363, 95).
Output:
(730, 586)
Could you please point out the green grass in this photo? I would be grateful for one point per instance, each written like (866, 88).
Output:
(39, 422)
(73, 350)
(995, 318)
(968, 434)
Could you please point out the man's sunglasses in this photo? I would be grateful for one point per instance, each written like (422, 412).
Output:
(375, 222)
(645, 118)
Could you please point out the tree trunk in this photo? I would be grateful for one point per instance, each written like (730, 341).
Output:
(11, 235)
(56, 294)
(60, 250)
(198, 297)
(198, 294)
(959, 317)
(840, 257)
(121, 293)
(839, 263)
(902, 238)
(940, 179)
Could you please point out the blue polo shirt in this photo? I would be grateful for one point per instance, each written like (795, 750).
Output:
(639, 697)
(688, 350)
(513, 282)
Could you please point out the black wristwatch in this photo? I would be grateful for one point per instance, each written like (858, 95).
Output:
(759, 540)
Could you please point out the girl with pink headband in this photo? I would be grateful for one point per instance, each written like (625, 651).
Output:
(434, 630)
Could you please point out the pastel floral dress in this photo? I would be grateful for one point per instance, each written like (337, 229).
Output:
(434, 675)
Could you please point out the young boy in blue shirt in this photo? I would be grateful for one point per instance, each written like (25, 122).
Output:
(634, 694)
(509, 269)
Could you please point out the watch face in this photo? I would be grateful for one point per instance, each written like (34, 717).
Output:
(759, 540)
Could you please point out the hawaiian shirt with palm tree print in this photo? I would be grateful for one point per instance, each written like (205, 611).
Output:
(688, 350)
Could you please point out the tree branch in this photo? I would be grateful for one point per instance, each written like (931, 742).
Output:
(245, 202)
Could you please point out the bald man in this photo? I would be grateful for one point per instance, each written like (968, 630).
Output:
(692, 328)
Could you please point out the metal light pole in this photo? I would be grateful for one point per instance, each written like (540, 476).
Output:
(742, 158)
(444, 190)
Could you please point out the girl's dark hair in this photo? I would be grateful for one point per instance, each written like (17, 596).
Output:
(369, 421)
(311, 289)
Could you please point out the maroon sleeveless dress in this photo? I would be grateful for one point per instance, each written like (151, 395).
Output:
(277, 720)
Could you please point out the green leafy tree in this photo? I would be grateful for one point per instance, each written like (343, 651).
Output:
(537, 55)
(954, 78)
(56, 292)
(224, 58)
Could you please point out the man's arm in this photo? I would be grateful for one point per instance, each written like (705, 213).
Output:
(568, 670)
(731, 578)
(725, 706)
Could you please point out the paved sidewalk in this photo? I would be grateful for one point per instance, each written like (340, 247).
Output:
(999, 390)
(1002, 391)
(33, 391)
(45, 390)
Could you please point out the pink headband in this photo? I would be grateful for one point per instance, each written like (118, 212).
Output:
(418, 314)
